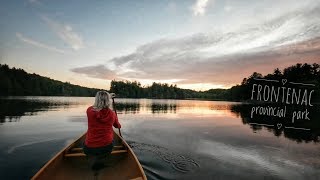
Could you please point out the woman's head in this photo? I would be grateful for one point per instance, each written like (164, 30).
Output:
(102, 100)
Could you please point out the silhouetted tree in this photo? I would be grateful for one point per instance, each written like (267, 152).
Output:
(18, 82)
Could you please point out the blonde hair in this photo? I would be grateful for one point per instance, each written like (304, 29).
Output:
(102, 100)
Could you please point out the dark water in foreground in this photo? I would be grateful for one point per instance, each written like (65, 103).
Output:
(173, 139)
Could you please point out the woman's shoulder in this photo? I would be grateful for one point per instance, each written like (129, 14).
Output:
(112, 112)
(90, 108)
(107, 111)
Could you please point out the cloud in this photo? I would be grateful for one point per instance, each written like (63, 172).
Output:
(98, 71)
(38, 44)
(171, 7)
(66, 33)
(33, 1)
(225, 58)
(228, 8)
(199, 7)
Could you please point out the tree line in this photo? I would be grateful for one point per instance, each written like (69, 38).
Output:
(134, 89)
(17, 82)
(300, 73)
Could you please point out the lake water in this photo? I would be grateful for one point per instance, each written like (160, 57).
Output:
(173, 139)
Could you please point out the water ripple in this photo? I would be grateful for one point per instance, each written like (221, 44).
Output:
(178, 162)
(13, 148)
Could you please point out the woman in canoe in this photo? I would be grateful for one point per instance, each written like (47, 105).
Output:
(99, 140)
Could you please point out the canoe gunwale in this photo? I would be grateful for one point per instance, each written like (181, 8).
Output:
(61, 154)
(134, 156)
(54, 158)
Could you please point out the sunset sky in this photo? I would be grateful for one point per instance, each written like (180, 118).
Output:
(196, 44)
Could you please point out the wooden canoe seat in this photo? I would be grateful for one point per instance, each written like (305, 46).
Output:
(82, 154)
(80, 149)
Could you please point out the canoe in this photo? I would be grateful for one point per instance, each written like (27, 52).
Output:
(72, 163)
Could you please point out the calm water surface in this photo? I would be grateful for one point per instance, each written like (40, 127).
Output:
(173, 139)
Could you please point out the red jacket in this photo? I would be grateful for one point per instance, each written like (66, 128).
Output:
(100, 131)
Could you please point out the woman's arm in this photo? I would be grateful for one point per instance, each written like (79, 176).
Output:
(116, 123)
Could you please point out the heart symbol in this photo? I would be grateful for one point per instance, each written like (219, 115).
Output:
(284, 81)
(279, 125)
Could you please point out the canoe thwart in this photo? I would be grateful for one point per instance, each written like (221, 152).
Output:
(82, 154)
(81, 149)
(76, 149)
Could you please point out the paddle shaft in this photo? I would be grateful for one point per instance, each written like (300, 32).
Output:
(115, 110)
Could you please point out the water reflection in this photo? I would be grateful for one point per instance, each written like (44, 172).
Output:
(310, 131)
(128, 108)
(12, 109)
(158, 106)
(173, 139)
(166, 106)
(163, 108)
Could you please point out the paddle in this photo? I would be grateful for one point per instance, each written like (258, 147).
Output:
(115, 110)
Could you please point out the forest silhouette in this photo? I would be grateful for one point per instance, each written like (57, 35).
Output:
(17, 82)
